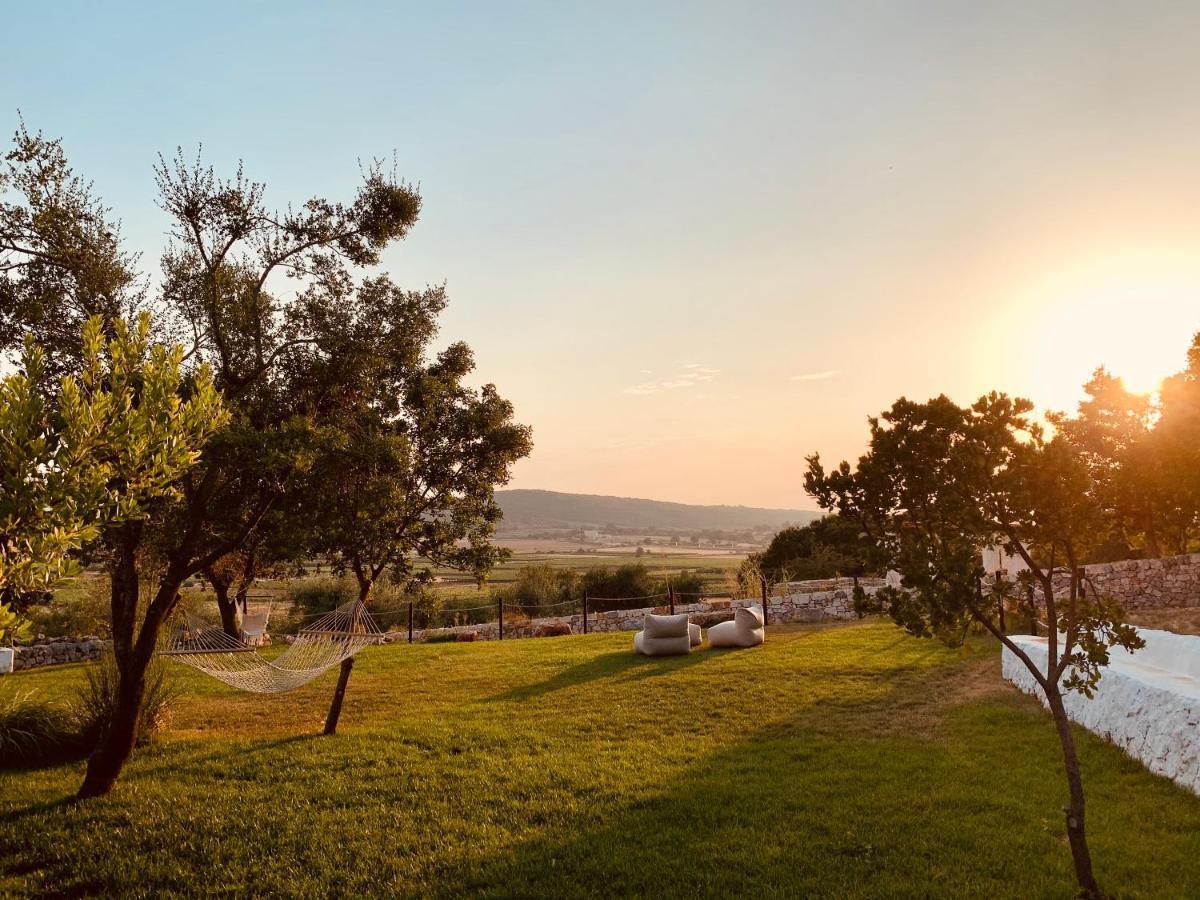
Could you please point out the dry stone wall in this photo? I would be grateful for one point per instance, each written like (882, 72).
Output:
(56, 651)
(801, 601)
(1171, 581)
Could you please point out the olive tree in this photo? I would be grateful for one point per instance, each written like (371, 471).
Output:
(409, 467)
(938, 483)
(229, 278)
(117, 437)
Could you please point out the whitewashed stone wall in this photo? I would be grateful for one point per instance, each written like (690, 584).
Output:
(800, 601)
(56, 651)
(1147, 702)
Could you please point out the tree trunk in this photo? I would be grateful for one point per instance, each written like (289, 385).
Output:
(1153, 548)
(247, 578)
(1076, 833)
(231, 615)
(365, 584)
(119, 734)
(339, 694)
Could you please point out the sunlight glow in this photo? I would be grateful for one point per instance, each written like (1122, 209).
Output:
(1137, 322)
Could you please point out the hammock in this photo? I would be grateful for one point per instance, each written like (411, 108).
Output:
(334, 637)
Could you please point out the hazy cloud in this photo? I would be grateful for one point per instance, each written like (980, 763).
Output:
(689, 375)
(816, 376)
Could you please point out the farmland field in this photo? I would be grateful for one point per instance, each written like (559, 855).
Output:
(715, 567)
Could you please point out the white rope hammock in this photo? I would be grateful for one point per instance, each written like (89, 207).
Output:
(334, 637)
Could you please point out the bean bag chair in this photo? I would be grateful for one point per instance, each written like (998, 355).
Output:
(745, 629)
(666, 635)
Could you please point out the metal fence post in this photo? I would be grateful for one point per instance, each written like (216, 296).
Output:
(671, 597)
(585, 613)
(500, 607)
(410, 621)
(765, 597)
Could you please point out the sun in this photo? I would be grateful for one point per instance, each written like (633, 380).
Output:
(1136, 324)
(1143, 376)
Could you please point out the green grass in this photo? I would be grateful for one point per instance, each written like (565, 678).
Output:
(848, 761)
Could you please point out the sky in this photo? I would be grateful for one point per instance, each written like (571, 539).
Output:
(694, 242)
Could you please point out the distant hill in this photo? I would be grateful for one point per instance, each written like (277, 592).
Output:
(551, 509)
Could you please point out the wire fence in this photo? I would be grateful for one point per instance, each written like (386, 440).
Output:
(419, 618)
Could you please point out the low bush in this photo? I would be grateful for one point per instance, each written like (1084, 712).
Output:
(543, 590)
(320, 594)
(624, 587)
(97, 698)
(36, 732)
(690, 584)
(84, 608)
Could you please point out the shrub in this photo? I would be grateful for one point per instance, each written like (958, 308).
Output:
(688, 583)
(96, 700)
(321, 594)
(543, 589)
(34, 732)
(86, 608)
(621, 588)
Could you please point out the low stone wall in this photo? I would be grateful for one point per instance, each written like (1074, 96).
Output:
(801, 601)
(1172, 581)
(56, 651)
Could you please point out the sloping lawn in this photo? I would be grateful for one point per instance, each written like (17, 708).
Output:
(842, 761)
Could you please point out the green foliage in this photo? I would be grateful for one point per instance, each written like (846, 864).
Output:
(13, 627)
(1175, 447)
(96, 700)
(84, 607)
(826, 548)
(37, 732)
(62, 254)
(116, 437)
(409, 467)
(1112, 432)
(941, 481)
(320, 594)
(688, 583)
(543, 590)
(623, 587)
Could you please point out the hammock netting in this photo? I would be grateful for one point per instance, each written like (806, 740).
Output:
(318, 647)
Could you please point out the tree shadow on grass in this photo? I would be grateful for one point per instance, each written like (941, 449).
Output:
(45, 806)
(793, 812)
(608, 666)
(201, 756)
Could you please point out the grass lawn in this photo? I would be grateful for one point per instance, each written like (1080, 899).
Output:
(836, 761)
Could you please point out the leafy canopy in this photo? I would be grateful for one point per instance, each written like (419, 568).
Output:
(938, 483)
(117, 435)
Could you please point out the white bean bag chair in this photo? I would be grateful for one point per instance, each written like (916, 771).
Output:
(745, 629)
(666, 635)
